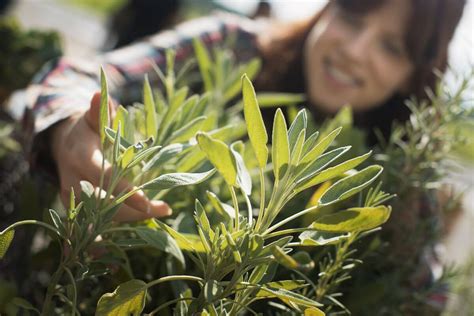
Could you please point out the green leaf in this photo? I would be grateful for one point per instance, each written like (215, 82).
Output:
(220, 156)
(288, 285)
(297, 148)
(280, 145)
(331, 172)
(127, 127)
(222, 208)
(187, 242)
(300, 123)
(243, 176)
(289, 297)
(127, 299)
(255, 126)
(173, 180)
(104, 106)
(5, 241)
(164, 155)
(211, 289)
(353, 220)
(350, 185)
(310, 143)
(313, 311)
(283, 258)
(187, 131)
(202, 220)
(116, 147)
(317, 238)
(22, 303)
(57, 222)
(143, 155)
(127, 157)
(274, 99)
(251, 69)
(111, 134)
(151, 126)
(317, 150)
(204, 63)
(161, 241)
(311, 169)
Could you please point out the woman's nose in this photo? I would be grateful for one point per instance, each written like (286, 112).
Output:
(357, 47)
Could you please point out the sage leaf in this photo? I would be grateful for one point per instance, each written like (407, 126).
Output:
(6, 238)
(161, 241)
(321, 147)
(313, 311)
(188, 242)
(243, 176)
(289, 297)
(104, 106)
(151, 126)
(331, 172)
(355, 219)
(280, 145)
(220, 156)
(204, 63)
(127, 299)
(299, 123)
(350, 185)
(173, 180)
(321, 238)
(187, 131)
(255, 126)
(164, 155)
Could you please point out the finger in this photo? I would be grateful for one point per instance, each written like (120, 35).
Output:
(129, 214)
(93, 114)
(137, 201)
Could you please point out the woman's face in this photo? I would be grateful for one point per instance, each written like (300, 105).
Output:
(357, 59)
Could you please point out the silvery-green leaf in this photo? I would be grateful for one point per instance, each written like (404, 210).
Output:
(310, 143)
(172, 180)
(317, 150)
(243, 176)
(164, 155)
(309, 170)
(204, 63)
(331, 172)
(319, 238)
(350, 185)
(299, 123)
(161, 241)
(187, 131)
(297, 148)
(222, 208)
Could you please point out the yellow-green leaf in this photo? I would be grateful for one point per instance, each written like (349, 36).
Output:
(151, 125)
(127, 299)
(353, 220)
(220, 156)
(5, 241)
(313, 311)
(104, 106)
(317, 150)
(255, 126)
(280, 145)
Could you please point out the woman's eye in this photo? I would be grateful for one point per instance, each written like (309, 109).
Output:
(352, 20)
(392, 48)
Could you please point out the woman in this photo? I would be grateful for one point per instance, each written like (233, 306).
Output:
(370, 54)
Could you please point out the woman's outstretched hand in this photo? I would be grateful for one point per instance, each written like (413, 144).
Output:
(76, 150)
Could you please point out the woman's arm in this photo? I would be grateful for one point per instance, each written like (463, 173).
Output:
(65, 117)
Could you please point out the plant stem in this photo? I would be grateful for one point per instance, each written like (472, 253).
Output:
(175, 278)
(34, 222)
(236, 208)
(262, 199)
(289, 219)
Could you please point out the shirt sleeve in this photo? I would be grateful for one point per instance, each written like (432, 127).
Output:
(66, 86)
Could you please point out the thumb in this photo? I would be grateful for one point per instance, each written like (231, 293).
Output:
(93, 114)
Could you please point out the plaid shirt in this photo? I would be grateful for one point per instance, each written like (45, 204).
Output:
(65, 86)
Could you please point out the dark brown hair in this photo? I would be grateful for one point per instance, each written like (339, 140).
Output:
(431, 27)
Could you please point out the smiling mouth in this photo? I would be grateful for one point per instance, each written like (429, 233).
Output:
(339, 75)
